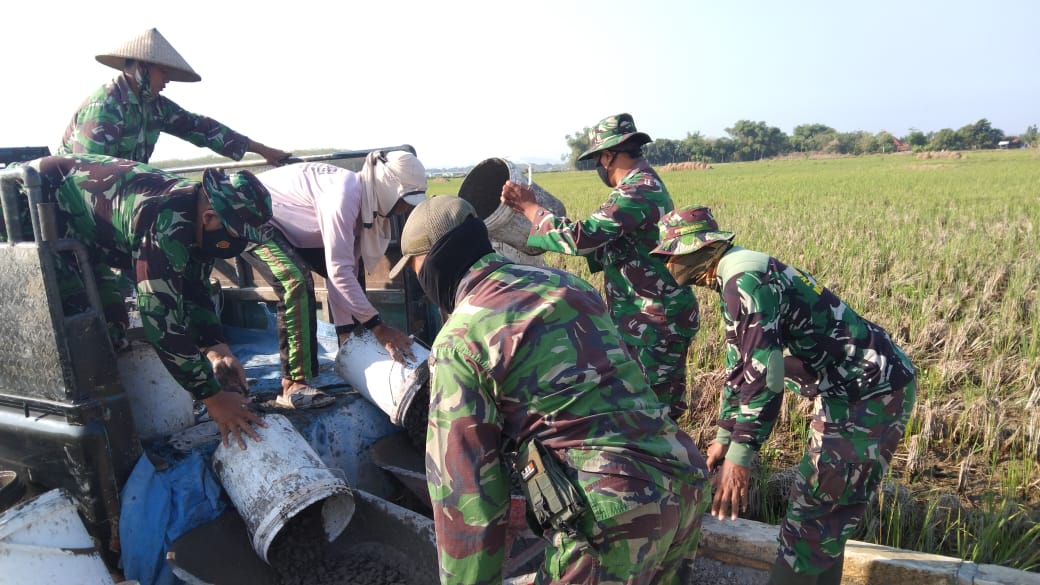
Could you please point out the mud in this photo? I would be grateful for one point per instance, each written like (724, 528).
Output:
(416, 418)
(302, 556)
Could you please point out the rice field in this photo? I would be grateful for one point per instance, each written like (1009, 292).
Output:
(944, 253)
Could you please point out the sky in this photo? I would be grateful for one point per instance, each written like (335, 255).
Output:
(465, 81)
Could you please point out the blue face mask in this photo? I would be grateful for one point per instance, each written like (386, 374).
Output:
(220, 244)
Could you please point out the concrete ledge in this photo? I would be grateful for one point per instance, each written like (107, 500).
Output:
(753, 544)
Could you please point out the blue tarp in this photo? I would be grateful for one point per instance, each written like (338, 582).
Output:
(185, 494)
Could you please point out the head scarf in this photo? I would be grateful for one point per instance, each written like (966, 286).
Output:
(385, 179)
(140, 73)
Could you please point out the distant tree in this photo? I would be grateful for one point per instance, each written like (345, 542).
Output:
(756, 140)
(916, 138)
(723, 150)
(1030, 136)
(981, 134)
(578, 143)
(946, 139)
(849, 142)
(662, 151)
(697, 147)
(883, 142)
(811, 137)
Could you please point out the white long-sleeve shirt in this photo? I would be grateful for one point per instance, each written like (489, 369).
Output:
(318, 205)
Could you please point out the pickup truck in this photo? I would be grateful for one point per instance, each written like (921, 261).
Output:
(66, 420)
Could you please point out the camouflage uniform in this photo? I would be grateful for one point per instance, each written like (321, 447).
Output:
(115, 122)
(656, 317)
(531, 352)
(141, 220)
(784, 330)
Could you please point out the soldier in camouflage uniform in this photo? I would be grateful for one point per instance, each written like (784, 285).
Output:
(531, 353)
(163, 231)
(785, 330)
(124, 117)
(656, 317)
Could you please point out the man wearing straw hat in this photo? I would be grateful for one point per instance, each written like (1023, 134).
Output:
(656, 317)
(785, 330)
(326, 220)
(164, 231)
(529, 368)
(125, 116)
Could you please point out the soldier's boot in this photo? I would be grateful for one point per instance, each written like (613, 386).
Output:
(832, 576)
(783, 574)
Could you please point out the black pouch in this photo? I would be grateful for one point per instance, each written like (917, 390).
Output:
(553, 503)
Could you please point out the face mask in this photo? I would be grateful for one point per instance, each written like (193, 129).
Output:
(698, 268)
(220, 244)
(603, 176)
(683, 273)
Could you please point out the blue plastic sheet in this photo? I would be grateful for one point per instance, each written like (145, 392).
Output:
(257, 349)
(160, 506)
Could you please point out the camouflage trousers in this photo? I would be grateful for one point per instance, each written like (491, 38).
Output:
(849, 449)
(648, 545)
(664, 363)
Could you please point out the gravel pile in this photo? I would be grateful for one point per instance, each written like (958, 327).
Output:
(299, 556)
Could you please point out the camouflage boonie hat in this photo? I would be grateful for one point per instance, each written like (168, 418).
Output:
(612, 131)
(240, 200)
(687, 230)
(427, 223)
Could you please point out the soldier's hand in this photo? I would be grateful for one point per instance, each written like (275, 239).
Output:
(519, 197)
(716, 455)
(230, 410)
(397, 342)
(731, 491)
(228, 369)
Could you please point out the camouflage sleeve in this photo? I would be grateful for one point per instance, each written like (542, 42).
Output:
(198, 304)
(97, 129)
(468, 482)
(110, 286)
(202, 131)
(754, 363)
(619, 214)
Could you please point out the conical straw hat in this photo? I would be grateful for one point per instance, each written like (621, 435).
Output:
(150, 47)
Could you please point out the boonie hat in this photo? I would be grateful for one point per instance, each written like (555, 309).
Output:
(150, 47)
(686, 230)
(427, 223)
(612, 131)
(240, 200)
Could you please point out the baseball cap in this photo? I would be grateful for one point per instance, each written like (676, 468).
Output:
(428, 222)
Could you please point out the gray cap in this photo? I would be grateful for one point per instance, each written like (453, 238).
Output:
(427, 223)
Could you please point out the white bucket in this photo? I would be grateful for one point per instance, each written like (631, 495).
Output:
(367, 366)
(43, 542)
(482, 188)
(275, 479)
(159, 405)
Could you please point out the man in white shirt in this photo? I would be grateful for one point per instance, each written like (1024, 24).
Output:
(327, 219)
